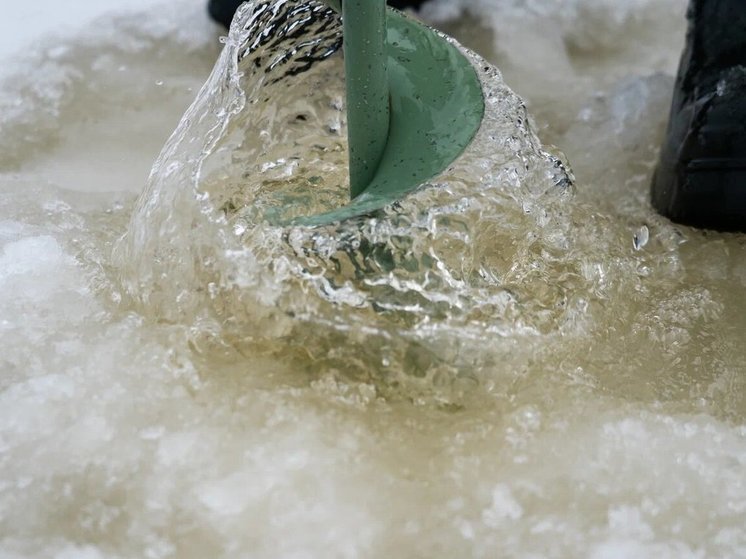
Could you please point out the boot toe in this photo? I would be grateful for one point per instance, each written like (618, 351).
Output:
(701, 176)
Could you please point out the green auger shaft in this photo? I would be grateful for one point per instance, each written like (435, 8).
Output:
(368, 106)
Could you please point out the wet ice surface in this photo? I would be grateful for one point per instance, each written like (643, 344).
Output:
(559, 373)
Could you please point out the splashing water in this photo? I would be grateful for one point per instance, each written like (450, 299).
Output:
(509, 362)
(416, 286)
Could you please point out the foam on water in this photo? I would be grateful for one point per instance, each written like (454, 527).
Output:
(513, 361)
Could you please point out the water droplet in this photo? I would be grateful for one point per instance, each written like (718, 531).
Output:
(641, 238)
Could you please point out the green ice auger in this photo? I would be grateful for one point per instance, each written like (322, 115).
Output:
(414, 103)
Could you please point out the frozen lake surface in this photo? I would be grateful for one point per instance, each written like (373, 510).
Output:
(518, 361)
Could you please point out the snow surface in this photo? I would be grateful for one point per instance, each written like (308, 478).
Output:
(24, 22)
(122, 435)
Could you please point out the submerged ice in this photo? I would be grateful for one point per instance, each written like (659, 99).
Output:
(520, 359)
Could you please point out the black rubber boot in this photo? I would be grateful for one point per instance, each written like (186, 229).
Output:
(222, 11)
(701, 176)
(404, 4)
